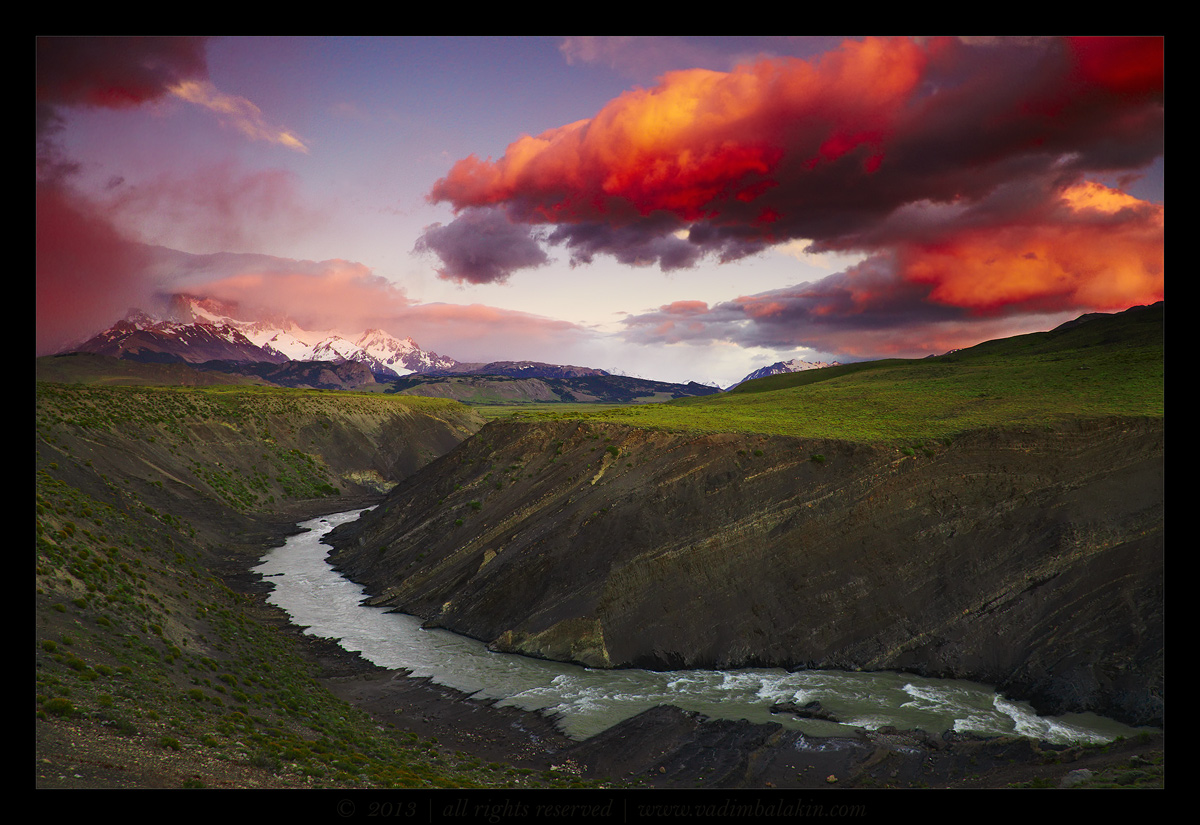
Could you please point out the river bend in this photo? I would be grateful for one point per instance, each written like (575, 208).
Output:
(586, 701)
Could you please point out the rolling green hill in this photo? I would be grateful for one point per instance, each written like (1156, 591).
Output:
(1102, 366)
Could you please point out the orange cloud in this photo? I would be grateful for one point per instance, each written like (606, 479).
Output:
(1105, 251)
(834, 150)
(700, 140)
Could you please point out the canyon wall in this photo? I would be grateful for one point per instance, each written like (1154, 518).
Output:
(1027, 559)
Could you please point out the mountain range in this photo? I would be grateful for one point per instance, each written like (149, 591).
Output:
(203, 330)
(198, 330)
(209, 335)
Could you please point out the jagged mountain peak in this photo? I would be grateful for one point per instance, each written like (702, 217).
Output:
(198, 329)
(379, 339)
(780, 367)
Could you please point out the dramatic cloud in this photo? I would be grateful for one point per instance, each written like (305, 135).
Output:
(862, 312)
(481, 246)
(961, 164)
(112, 72)
(1097, 248)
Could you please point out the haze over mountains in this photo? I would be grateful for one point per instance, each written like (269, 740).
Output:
(201, 330)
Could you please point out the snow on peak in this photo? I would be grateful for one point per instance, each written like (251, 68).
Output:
(283, 337)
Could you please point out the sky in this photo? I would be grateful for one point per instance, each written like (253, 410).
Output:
(680, 209)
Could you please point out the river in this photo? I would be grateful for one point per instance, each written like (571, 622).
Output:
(586, 701)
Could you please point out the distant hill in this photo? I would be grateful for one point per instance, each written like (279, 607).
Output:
(594, 386)
(544, 383)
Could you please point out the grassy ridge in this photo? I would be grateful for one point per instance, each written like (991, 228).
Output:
(1107, 366)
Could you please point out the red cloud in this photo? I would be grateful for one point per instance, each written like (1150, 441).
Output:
(87, 274)
(970, 276)
(701, 141)
(1130, 66)
(728, 163)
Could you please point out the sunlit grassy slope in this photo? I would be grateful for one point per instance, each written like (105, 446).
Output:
(1098, 367)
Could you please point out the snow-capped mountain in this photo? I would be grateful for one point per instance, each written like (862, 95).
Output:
(200, 330)
(779, 367)
(402, 356)
(144, 338)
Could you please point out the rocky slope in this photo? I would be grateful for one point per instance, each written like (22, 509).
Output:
(1029, 560)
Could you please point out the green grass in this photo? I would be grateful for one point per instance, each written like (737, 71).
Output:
(547, 410)
(1097, 370)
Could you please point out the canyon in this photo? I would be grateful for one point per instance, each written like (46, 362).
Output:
(1028, 559)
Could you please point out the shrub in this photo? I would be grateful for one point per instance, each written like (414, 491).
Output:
(58, 706)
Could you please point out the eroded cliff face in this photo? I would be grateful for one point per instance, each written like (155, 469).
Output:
(1028, 560)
